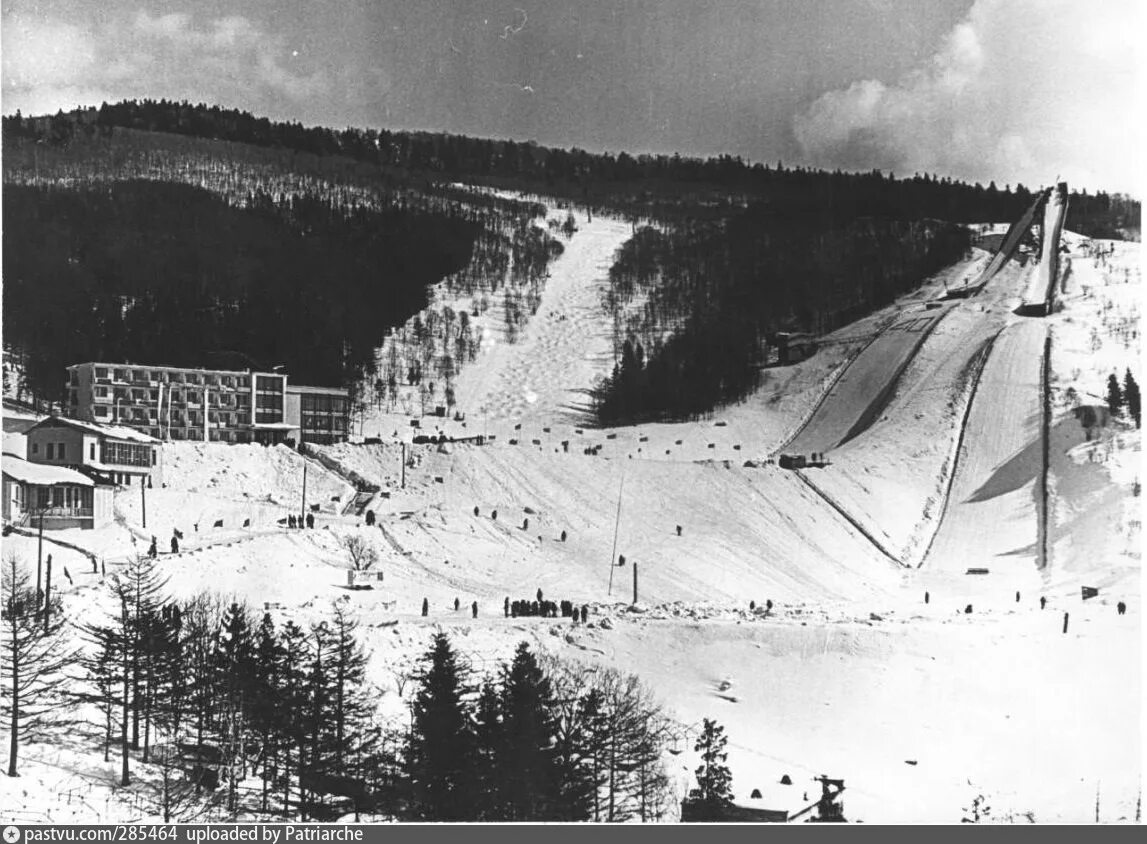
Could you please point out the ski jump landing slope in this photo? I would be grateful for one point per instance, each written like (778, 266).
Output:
(865, 387)
(992, 514)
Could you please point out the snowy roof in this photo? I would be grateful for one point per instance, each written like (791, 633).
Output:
(318, 391)
(42, 475)
(115, 432)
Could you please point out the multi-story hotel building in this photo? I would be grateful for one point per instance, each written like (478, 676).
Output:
(179, 403)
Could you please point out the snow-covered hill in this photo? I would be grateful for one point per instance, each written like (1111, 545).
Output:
(920, 707)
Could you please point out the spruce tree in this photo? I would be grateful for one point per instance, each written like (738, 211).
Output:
(489, 736)
(442, 741)
(1131, 396)
(1114, 395)
(529, 774)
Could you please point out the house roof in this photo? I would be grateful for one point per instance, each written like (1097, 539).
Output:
(115, 432)
(42, 475)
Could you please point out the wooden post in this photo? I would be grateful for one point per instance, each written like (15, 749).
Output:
(635, 583)
(48, 594)
(39, 557)
(142, 495)
(303, 503)
(404, 465)
(1065, 622)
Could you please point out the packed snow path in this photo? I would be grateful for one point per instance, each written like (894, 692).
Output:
(991, 518)
(564, 348)
(864, 388)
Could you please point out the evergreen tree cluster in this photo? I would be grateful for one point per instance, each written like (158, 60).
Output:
(537, 742)
(712, 293)
(1124, 396)
(212, 695)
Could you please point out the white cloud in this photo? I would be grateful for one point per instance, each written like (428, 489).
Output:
(48, 65)
(1022, 90)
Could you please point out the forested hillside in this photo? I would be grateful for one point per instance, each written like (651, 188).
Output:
(638, 184)
(186, 234)
(693, 302)
(149, 247)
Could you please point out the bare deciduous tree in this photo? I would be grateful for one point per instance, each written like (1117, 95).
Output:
(34, 655)
(361, 553)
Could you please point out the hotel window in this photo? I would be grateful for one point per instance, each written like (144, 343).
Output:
(101, 392)
(121, 375)
(101, 372)
(101, 410)
(92, 453)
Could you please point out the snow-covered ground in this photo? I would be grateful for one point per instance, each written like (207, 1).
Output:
(919, 707)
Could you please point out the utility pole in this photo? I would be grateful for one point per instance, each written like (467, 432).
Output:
(635, 582)
(404, 465)
(143, 498)
(616, 523)
(303, 503)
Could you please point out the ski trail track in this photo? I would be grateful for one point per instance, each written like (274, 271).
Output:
(991, 519)
(564, 348)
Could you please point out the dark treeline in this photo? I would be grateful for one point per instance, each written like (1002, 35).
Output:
(156, 272)
(709, 293)
(624, 182)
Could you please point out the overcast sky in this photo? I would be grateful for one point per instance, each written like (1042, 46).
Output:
(1004, 90)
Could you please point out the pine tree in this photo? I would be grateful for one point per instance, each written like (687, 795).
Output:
(442, 741)
(1131, 396)
(714, 781)
(1114, 395)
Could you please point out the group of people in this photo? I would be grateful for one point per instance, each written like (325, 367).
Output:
(294, 521)
(544, 609)
(153, 549)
